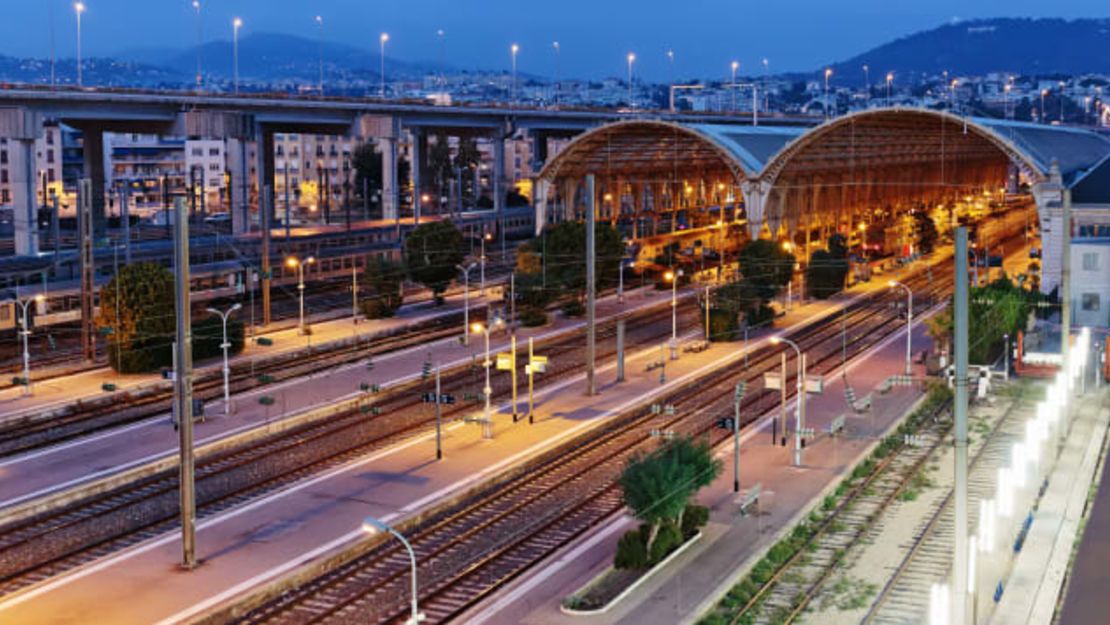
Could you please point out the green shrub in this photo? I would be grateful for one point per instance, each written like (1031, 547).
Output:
(762, 572)
(376, 308)
(208, 335)
(694, 518)
(631, 552)
(573, 308)
(667, 540)
(533, 316)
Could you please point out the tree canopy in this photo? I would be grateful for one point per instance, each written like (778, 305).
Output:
(828, 268)
(380, 288)
(433, 252)
(1000, 308)
(560, 254)
(140, 322)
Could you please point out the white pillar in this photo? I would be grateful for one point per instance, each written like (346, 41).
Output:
(542, 188)
(22, 175)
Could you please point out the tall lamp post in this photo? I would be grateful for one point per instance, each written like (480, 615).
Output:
(200, 39)
(295, 263)
(867, 81)
(799, 411)
(384, 37)
(225, 346)
(466, 300)
(486, 328)
(78, 9)
(236, 24)
(371, 525)
(482, 261)
(26, 332)
(909, 323)
(889, 87)
(735, 66)
(672, 277)
(320, 49)
(631, 60)
(513, 50)
(555, 45)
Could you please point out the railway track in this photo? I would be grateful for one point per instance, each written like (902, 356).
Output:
(928, 559)
(39, 547)
(798, 581)
(468, 550)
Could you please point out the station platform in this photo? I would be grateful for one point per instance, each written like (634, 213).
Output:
(262, 540)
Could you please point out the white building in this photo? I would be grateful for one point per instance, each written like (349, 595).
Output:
(48, 166)
(1090, 291)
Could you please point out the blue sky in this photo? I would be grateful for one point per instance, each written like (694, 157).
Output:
(595, 35)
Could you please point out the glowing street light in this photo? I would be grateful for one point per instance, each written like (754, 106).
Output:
(672, 277)
(384, 37)
(735, 66)
(371, 525)
(799, 410)
(513, 51)
(320, 49)
(236, 24)
(909, 323)
(78, 10)
(555, 44)
(294, 263)
(828, 74)
(466, 300)
(196, 8)
(486, 328)
(26, 332)
(631, 60)
(889, 87)
(225, 346)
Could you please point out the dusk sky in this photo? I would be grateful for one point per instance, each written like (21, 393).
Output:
(595, 35)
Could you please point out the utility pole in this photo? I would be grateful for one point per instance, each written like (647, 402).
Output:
(591, 258)
(183, 379)
(265, 204)
(960, 314)
(354, 295)
(125, 211)
(620, 350)
(1065, 287)
(88, 268)
(531, 376)
(782, 397)
(512, 371)
(439, 420)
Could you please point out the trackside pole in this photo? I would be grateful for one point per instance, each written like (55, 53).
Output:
(620, 350)
(960, 314)
(183, 379)
(439, 420)
(782, 395)
(591, 296)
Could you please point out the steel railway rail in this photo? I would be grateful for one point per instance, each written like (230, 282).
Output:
(39, 547)
(905, 597)
(468, 550)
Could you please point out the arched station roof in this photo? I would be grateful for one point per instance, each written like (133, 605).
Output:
(893, 136)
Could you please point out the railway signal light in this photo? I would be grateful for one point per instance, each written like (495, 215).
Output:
(726, 423)
(426, 370)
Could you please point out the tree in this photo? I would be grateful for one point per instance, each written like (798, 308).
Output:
(658, 486)
(433, 252)
(367, 163)
(141, 321)
(1000, 308)
(565, 259)
(925, 231)
(468, 160)
(382, 280)
(440, 166)
(828, 269)
(766, 266)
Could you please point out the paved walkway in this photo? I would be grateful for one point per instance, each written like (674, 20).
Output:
(251, 544)
(56, 392)
(1034, 588)
(66, 465)
(683, 591)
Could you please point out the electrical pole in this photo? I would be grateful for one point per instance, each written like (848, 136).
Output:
(183, 379)
(960, 314)
(265, 203)
(1065, 286)
(439, 420)
(591, 258)
(88, 268)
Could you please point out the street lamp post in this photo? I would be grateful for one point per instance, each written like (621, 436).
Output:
(371, 525)
(466, 300)
(555, 45)
(78, 9)
(236, 24)
(1044, 116)
(673, 277)
(320, 49)
(294, 262)
(384, 37)
(799, 411)
(828, 74)
(225, 346)
(486, 236)
(513, 50)
(487, 391)
(631, 60)
(889, 87)
(735, 66)
(26, 332)
(867, 82)
(909, 323)
(200, 39)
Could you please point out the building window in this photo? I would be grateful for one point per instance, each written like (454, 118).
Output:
(3, 176)
(3, 157)
(4, 197)
(1090, 261)
(213, 151)
(1091, 302)
(50, 156)
(50, 175)
(49, 138)
(198, 151)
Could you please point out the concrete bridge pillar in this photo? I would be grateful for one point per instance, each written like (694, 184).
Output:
(498, 188)
(239, 191)
(92, 149)
(418, 171)
(542, 189)
(22, 127)
(1048, 196)
(755, 197)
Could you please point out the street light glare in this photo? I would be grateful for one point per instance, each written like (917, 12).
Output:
(775, 340)
(514, 48)
(668, 276)
(79, 7)
(477, 328)
(384, 37)
(237, 22)
(292, 262)
(735, 65)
